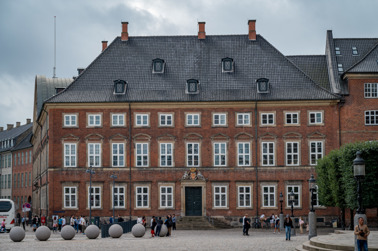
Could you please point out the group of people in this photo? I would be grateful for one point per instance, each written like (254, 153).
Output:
(157, 222)
(78, 223)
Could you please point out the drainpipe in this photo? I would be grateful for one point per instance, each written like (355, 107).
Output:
(47, 171)
(40, 176)
(130, 142)
(256, 159)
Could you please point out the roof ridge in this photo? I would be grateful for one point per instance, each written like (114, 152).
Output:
(362, 59)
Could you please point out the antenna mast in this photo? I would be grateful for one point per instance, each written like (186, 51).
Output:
(54, 76)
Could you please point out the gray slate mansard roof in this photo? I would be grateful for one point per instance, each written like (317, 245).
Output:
(13, 134)
(25, 143)
(187, 57)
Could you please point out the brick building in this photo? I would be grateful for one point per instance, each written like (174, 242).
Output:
(215, 125)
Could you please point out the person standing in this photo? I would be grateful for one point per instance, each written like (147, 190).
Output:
(120, 219)
(272, 220)
(60, 223)
(77, 224)
(301, 224)
(277, 224)
(362, 231)
(174, 222)
(82, 224)
(158, 227)
(153, 225)
(288, 224)
(63, 221)
(72, 221)
(246, 225)
(23, 222)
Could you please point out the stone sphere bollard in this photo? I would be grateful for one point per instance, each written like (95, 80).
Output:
(68, 232)
(163, 230)
(138, 230)
(17, 234)
(92, 232)
(43, 233)
(115, 231)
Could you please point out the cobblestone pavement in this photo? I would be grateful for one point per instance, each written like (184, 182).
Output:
(230, 239)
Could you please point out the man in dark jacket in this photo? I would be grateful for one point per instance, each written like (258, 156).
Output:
(158, 227)
(246, 224)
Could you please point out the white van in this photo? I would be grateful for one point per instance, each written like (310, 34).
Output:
(7, 212)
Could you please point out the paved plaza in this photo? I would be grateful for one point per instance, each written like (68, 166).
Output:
(230, 239)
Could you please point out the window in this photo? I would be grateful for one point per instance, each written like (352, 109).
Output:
(69, 155)
(337, 50)
(354, 50)
(142, 119)
(70, 197)
(118, 154)
(158, 65)
(296, 191)
(22, 179)
(292, 118)
(30, 179)
(119, 197)
(315, 118)
(141, 154)
(371, 90)
(166, 154)
(10, 180)
(165, 119)
(219, 119)
(269, 196)
(26, 179)
(166, 196)
(192, 119)
(95, 197)
(316, 151)
(340, 67)
(243, 119)
(192, 86)
(118, 119)
(30, 156)
(119, 87)
(267, 119)
(192, 154)
(371, 117)
(142, 195)
(26, 157)
(22, 158)
(220, 196)
(18, 180)
(268, 153)
(292, 153)
(94, 154)
(70, 120)
(244, 154)
(244, 195)
(15, 180)
(220, 154)
(18, 159)
(94, 120)
(227, 65)
(262, 85)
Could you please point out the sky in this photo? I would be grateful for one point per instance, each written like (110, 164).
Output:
(294, 27)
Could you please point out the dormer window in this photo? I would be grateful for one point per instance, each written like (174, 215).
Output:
(262, 85)
(337, 51)
(158, 65)
(192, 86)
(354, 50)
(119, 87)
(227, 65)
(340, 67)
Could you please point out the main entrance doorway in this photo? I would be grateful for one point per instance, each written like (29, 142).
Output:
(193, 201)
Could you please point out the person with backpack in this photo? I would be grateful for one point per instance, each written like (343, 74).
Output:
(168, 223)
(159, 223)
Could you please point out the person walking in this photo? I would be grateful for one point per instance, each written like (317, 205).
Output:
(246, 225)
(272, 219)
(3, 226)
(288, 224)
(277, 224)
(362, 231)
(158, 227)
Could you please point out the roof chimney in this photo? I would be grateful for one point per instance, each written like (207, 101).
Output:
(1, 129)
(252, 29)
(104, 45)
(201, 30)
(9, 126)
(28, 121)
(18, 124)
(80, 70)
(124, 34)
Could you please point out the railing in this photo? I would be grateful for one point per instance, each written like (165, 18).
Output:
(126, 226)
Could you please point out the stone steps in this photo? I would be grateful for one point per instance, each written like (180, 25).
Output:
(194, 223)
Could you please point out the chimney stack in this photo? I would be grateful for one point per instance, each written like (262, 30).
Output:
(124, 34)
(28, 121)
(18, 124)
(201, 30)
(9, 126)
(104, 45)
(1, 129)
(252, 30)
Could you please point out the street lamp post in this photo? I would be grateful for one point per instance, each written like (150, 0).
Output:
(281, 214)
(90, 171)
(291, 200)
(359, 175)
(113, 176)
(311, 215)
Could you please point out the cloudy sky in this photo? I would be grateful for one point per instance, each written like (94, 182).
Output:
(294, 27)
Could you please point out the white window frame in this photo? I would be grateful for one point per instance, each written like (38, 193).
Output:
(72, 197)
(219, 119)
(118, 119)
(291, 153)
(71, 157)
(94, 155)
(220, 153)
(118, 155)
(243, 119)
(316, 154)
(270, 155)
(193, 155)
(165, 155)
(371, 117)
(242, 196)
(142, 155)
(315, 118)
(95, 120)
(265, 117)
(139, 196)
(218, 196)
(191, 118)
(297, 197)
(269, 194)
(70, 120)
(164, 118)
(142, 119)
(371, 90)
(166, 198)
(243, 155)
(117, 194)
(96, 191)
(292, 118)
